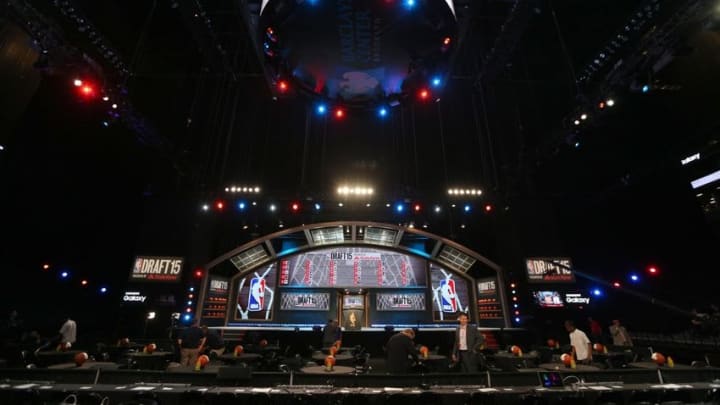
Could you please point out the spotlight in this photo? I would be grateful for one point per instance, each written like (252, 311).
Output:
(410, 3)
(283, 86)
(77, 82)
(241, 206)
(295, 207)
(339, 113)
(103, 290)
(446, 41)
(417, 207)
(437, 209)
(84, 283)
(272, 208)
(436, 81)
(488, 208)
(634, 277)
(645, 88)
(576, 122)
(597, 292)
(64, 274)
(205, 207)
(382, 112)
(653, 270)
(616, 284)
(399, 208)
(219, 205)
(583, 117)
(467, 208)
(317, 207)
(424, 94)
(610, 102)
(198, 273)
(46, 266)
(601, 105)
(321, 109)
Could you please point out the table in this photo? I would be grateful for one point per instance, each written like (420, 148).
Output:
(342, 349)
(563, 367)
(242, 358)
(86, 365)
(652, 366)
(210, 368)
(338, 357)
(47, 358)
(613, 359)
(154, 361)
(321, 370)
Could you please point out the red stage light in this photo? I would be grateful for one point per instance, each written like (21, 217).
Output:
(424, 94)
(488, 208)
(270, 30)
(653, 270)
(46, 266)
(417, 207)
(512, 285)
(87, 90)
(283, 86)
(198, 273)
(601, 105)
(84, 283)
(220, 205)
(339, 113)
(616, 284)
(295, 206)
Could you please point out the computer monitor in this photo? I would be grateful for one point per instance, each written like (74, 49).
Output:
(550, 379)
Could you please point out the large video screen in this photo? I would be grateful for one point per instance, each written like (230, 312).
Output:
(450, 294)
(255, 295)
(548, 299)
(352, 267)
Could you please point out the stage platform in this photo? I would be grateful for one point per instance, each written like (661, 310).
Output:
(229, 384)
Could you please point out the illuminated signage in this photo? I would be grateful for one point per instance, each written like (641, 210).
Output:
(218, 286)
(549, 270)
(712, 177)
(690, 158)
(153, 268)
(576, 299)
(134, 296)
(400, 302)
(292, 301)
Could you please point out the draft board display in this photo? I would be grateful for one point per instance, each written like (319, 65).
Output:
(216, 299)
(549, 270)
(301, 301)
(400, 301)
(157, 269)
(352, 267)
(255, 295)
(450, 294)
(488, 301)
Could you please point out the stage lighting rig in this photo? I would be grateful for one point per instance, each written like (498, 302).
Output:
(355, 54)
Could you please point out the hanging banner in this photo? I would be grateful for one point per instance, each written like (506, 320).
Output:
(549, 270)
(157, 268)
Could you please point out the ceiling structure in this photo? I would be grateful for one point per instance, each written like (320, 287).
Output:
(196, 114)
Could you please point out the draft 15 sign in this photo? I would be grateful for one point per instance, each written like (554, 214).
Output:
(154, 268)
(549, 270)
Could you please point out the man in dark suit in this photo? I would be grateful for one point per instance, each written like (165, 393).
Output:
(467, 341)
(399, 348)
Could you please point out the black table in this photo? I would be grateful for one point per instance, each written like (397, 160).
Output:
(150, 361)
(230, 358)
(48, 358)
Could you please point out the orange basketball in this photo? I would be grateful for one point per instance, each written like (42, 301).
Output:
(238, 350)
(598, 347)
(658, 358)
(551, 342)
(263, 343)
(203, 360)
(338, 344)
(566, 359)
(81, 358)
(150, 348)
(329, 361)
(516, 350)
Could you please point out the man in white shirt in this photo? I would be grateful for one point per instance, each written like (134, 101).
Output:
(467, 338)
(581, 346)
(68, 331)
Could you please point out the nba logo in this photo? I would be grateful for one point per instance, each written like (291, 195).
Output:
(448, 298)
(256, 299)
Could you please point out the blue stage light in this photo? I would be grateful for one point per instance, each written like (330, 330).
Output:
(410, 3)
(645, 88)
(103, 290)
(467, 208)
(382, 112)
(597, 292)
(436, 81)
(187, 317)
(191, 289)
(517, 319)
(634, 277)
(399, 207)
(321, 109)
(64, 274)
(317, 207)
(241, 205)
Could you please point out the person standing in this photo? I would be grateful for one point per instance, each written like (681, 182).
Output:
(581, 345)
(214, 343)
(466, 339)
(191, 340)
(68, 332)
(331, 333)
(620, 335)
(400, 348)
(595, 330)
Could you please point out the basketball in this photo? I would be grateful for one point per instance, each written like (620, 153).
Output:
(516, 350)
(658, 358)
(81, 358)
(424, 351)
(238, 350)
(203, 360)
(329, 361)
(566, 359)
(598, 347)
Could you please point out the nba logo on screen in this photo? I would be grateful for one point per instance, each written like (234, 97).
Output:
(256, 299)
(447, 295)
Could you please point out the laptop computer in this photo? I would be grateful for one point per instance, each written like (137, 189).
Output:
(550, 379)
